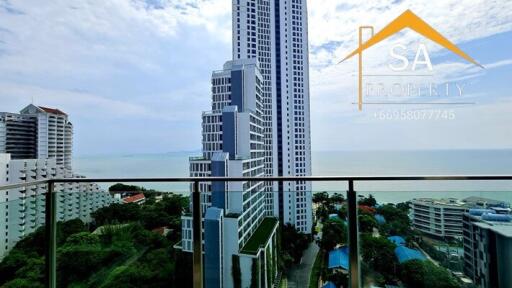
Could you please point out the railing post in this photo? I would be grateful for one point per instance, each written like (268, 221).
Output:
(51, 236)
(353, 237)
(197, 237)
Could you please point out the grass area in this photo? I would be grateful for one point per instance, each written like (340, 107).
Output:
(317, 268)
(260, 236)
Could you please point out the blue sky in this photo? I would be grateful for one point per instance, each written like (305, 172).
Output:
(134, 75)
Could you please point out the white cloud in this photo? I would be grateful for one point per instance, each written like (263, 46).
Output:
(131, 62)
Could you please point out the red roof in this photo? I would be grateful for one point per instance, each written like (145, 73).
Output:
(161, 230)
(367, 209)
(53, 111)
(134, 198)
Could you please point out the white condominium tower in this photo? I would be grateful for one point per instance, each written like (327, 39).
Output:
(237, 233)
(275, 33)
(37, 133)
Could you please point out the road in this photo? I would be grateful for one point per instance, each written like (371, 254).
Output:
(298, 276)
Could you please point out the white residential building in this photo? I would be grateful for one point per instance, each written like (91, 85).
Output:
(438, 217)
(37, 133)
(275, 33)
(443, 217)
(22, 210)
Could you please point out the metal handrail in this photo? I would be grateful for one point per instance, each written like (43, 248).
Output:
(353, 233)
(295, 178)
(265, 178)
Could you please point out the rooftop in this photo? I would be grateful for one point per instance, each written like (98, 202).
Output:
(501, 228)
(380, 219)
(405, 254)
(134, 199)
(260, 236)
(486, 202)
(451, 202)
(397, 240)
(469, 202)
(338, 258)
(52, 111)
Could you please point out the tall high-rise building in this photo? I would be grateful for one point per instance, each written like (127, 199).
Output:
(276, 34)
(258, 126)
(237, 230)
(37, 133)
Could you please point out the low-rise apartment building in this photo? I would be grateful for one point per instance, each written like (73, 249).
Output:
(438, 217)
(443, 217)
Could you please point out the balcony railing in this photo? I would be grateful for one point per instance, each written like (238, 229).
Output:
(354, 264)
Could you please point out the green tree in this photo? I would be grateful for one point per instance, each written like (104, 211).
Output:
(368, 201)
(174, 204)
(343, 212)
(92, 260)
(404, 206)
(397, 221)
(334, 232)
(117, 213)
(337, 198)
(119, 187)
(321, 197)
(366, 223)
(423, 274)
(70, 227)
(293, 242)
(322, 213)
(379, 254)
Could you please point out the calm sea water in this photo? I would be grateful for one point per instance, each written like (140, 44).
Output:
(352, 163)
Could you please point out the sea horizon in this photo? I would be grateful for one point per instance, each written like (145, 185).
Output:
(339, 163)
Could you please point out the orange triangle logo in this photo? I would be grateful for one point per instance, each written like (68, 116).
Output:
(410, 20)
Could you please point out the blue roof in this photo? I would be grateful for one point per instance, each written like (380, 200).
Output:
(397, 240)
(405, 254)
(380, 219)
(497, 217)
(479, 212)
(329, 284)
(338, 258)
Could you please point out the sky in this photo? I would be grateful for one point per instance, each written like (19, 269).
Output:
(134, 75)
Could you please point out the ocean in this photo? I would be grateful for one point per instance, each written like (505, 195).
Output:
(333, 163)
